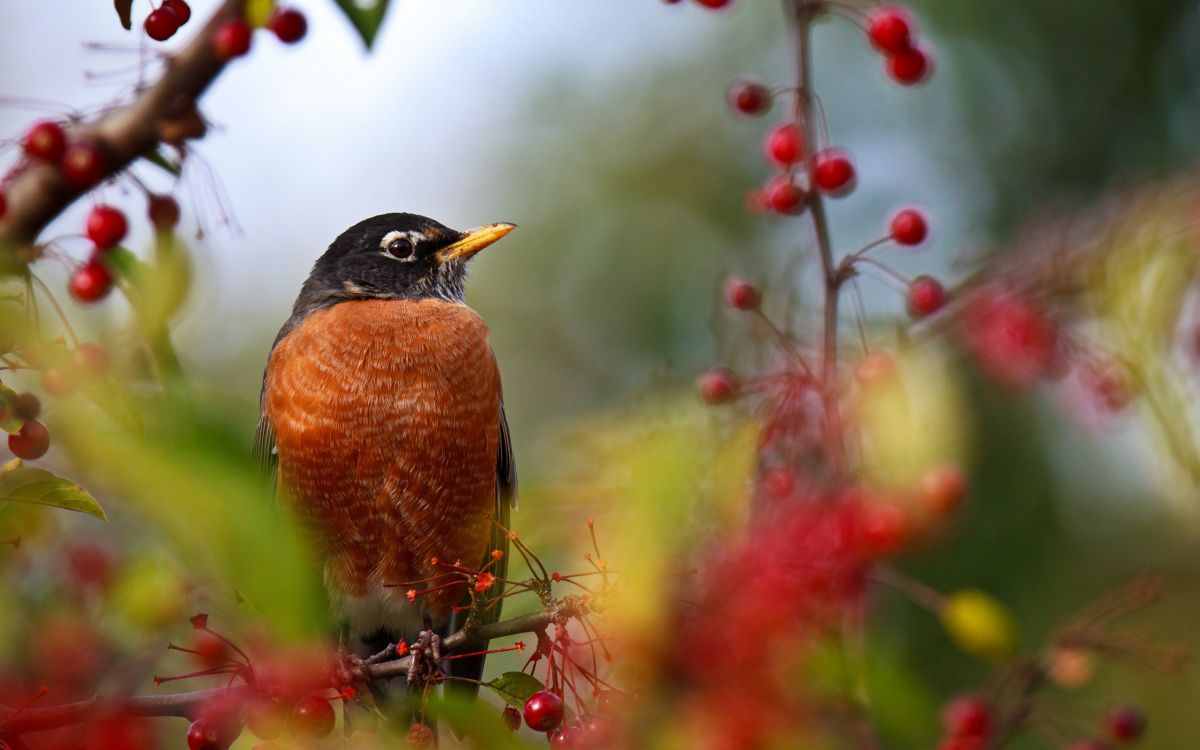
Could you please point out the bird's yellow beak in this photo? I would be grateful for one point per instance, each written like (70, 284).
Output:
(474, 240)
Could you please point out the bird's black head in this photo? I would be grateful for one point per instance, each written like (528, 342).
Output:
(395, 256)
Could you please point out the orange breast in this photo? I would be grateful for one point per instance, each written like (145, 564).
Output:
(386, 419)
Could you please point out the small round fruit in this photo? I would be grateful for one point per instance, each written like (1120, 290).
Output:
(566, 737)
(741, 294)
(45, 141)
(718, 385)
(890, 29)
(833, 173)
(783, 196)
(510, 718)
(1125, 724)
(419, 736)
(182, 11)
(909, 227)
(3, 204)
(106, 226)
(875, 369)
(31, 442)
(25, 407)
(83, 164)
(750, 98)
(57, 383)
(784, 145)
(942, 489)
(90, 282)
(926, 296)
(713, 3)
(202, 735)
(543, 711)
(885, 528)
(91, 359)
(289, 25)
(164, 212)
(910, 67)
(161, 25)
(232, 39)
(968, 716)
(312, 716)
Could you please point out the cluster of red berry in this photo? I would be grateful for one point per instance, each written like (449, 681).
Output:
(969, 722)
(544, 711)
(893, 32)
(232, 39)
(62, 370)
(309, 718)
(81, 162)
(165, 20)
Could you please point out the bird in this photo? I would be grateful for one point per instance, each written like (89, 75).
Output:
(382, 424)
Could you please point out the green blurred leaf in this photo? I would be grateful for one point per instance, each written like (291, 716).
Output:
(124, 12)
(366, 17)
(157, 159)
(8, 422)
(515, 687)
(21, 484)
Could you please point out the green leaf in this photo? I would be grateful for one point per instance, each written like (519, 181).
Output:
(515, 687)
(366, 16)
(21, 484)
(124, 11)
(162, 162)
(8, 422)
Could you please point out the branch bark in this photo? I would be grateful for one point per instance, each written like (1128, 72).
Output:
(39, 193)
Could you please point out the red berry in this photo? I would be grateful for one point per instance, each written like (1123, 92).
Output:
(91, 358)
(83, 164)
(45, 141)
(164, 212)
(57, 383)
(741, 294)
(511, 718)
(875, 369)
(543, 711)
(265, 718)
(1107, 382)
(784, 145)
(885, 528)
(160, 26)
(106, 226)
(289, 25)
(942, 489)
(25, 407)
(312, 716)
(419, 736)
(833, 172)
(232, 39)
(926, 295)
(782, 195)
(31, 442)
(718, 385)
(1125, 724)
(750, 98)
(779, 481)
(713, 3)
(566, 738)
(890, 29)
(202, 736)
(910, 67)
(968, 716)
(180, 8)
(90, 282)
(909, 227)
(3, 204)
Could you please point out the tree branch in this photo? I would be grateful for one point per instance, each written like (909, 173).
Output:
(188, 705)
(39, 192)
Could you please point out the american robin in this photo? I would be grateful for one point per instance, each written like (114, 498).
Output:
(383, 421)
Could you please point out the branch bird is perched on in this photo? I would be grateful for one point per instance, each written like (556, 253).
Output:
(383, 420)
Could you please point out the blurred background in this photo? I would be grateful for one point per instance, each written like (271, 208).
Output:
(601, 129)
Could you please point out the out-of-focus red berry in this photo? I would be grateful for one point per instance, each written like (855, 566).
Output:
(3, 204)
(942, 489)
(784, 145)
(45, 141)
(714, 3)
(718, 385)
(779, 481)
(1125, 724)
(783, 196)
(232, 39)
(833, 172)
(885, 528)
(289, 25)
(1107, 383)
(312, 716)
(1014, 339)
(510, 718)
(31, 442)
(910, 67)
(419, 736)
(909, 227)
(968, 716)
(182, 11)
(890, 29)
(568, 737)
(163, 211)
(877, 368)
(160, 26)
(106, 226)
(90, 282)
(91, 359)
(741, 294)
(750, 98)
(926, 296)
(83, 164)
(57, 383)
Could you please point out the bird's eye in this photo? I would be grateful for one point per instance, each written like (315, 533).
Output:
(400, 248)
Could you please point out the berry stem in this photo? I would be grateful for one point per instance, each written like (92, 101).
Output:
(801, 14)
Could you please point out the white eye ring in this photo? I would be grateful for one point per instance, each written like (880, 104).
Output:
(409, 240)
